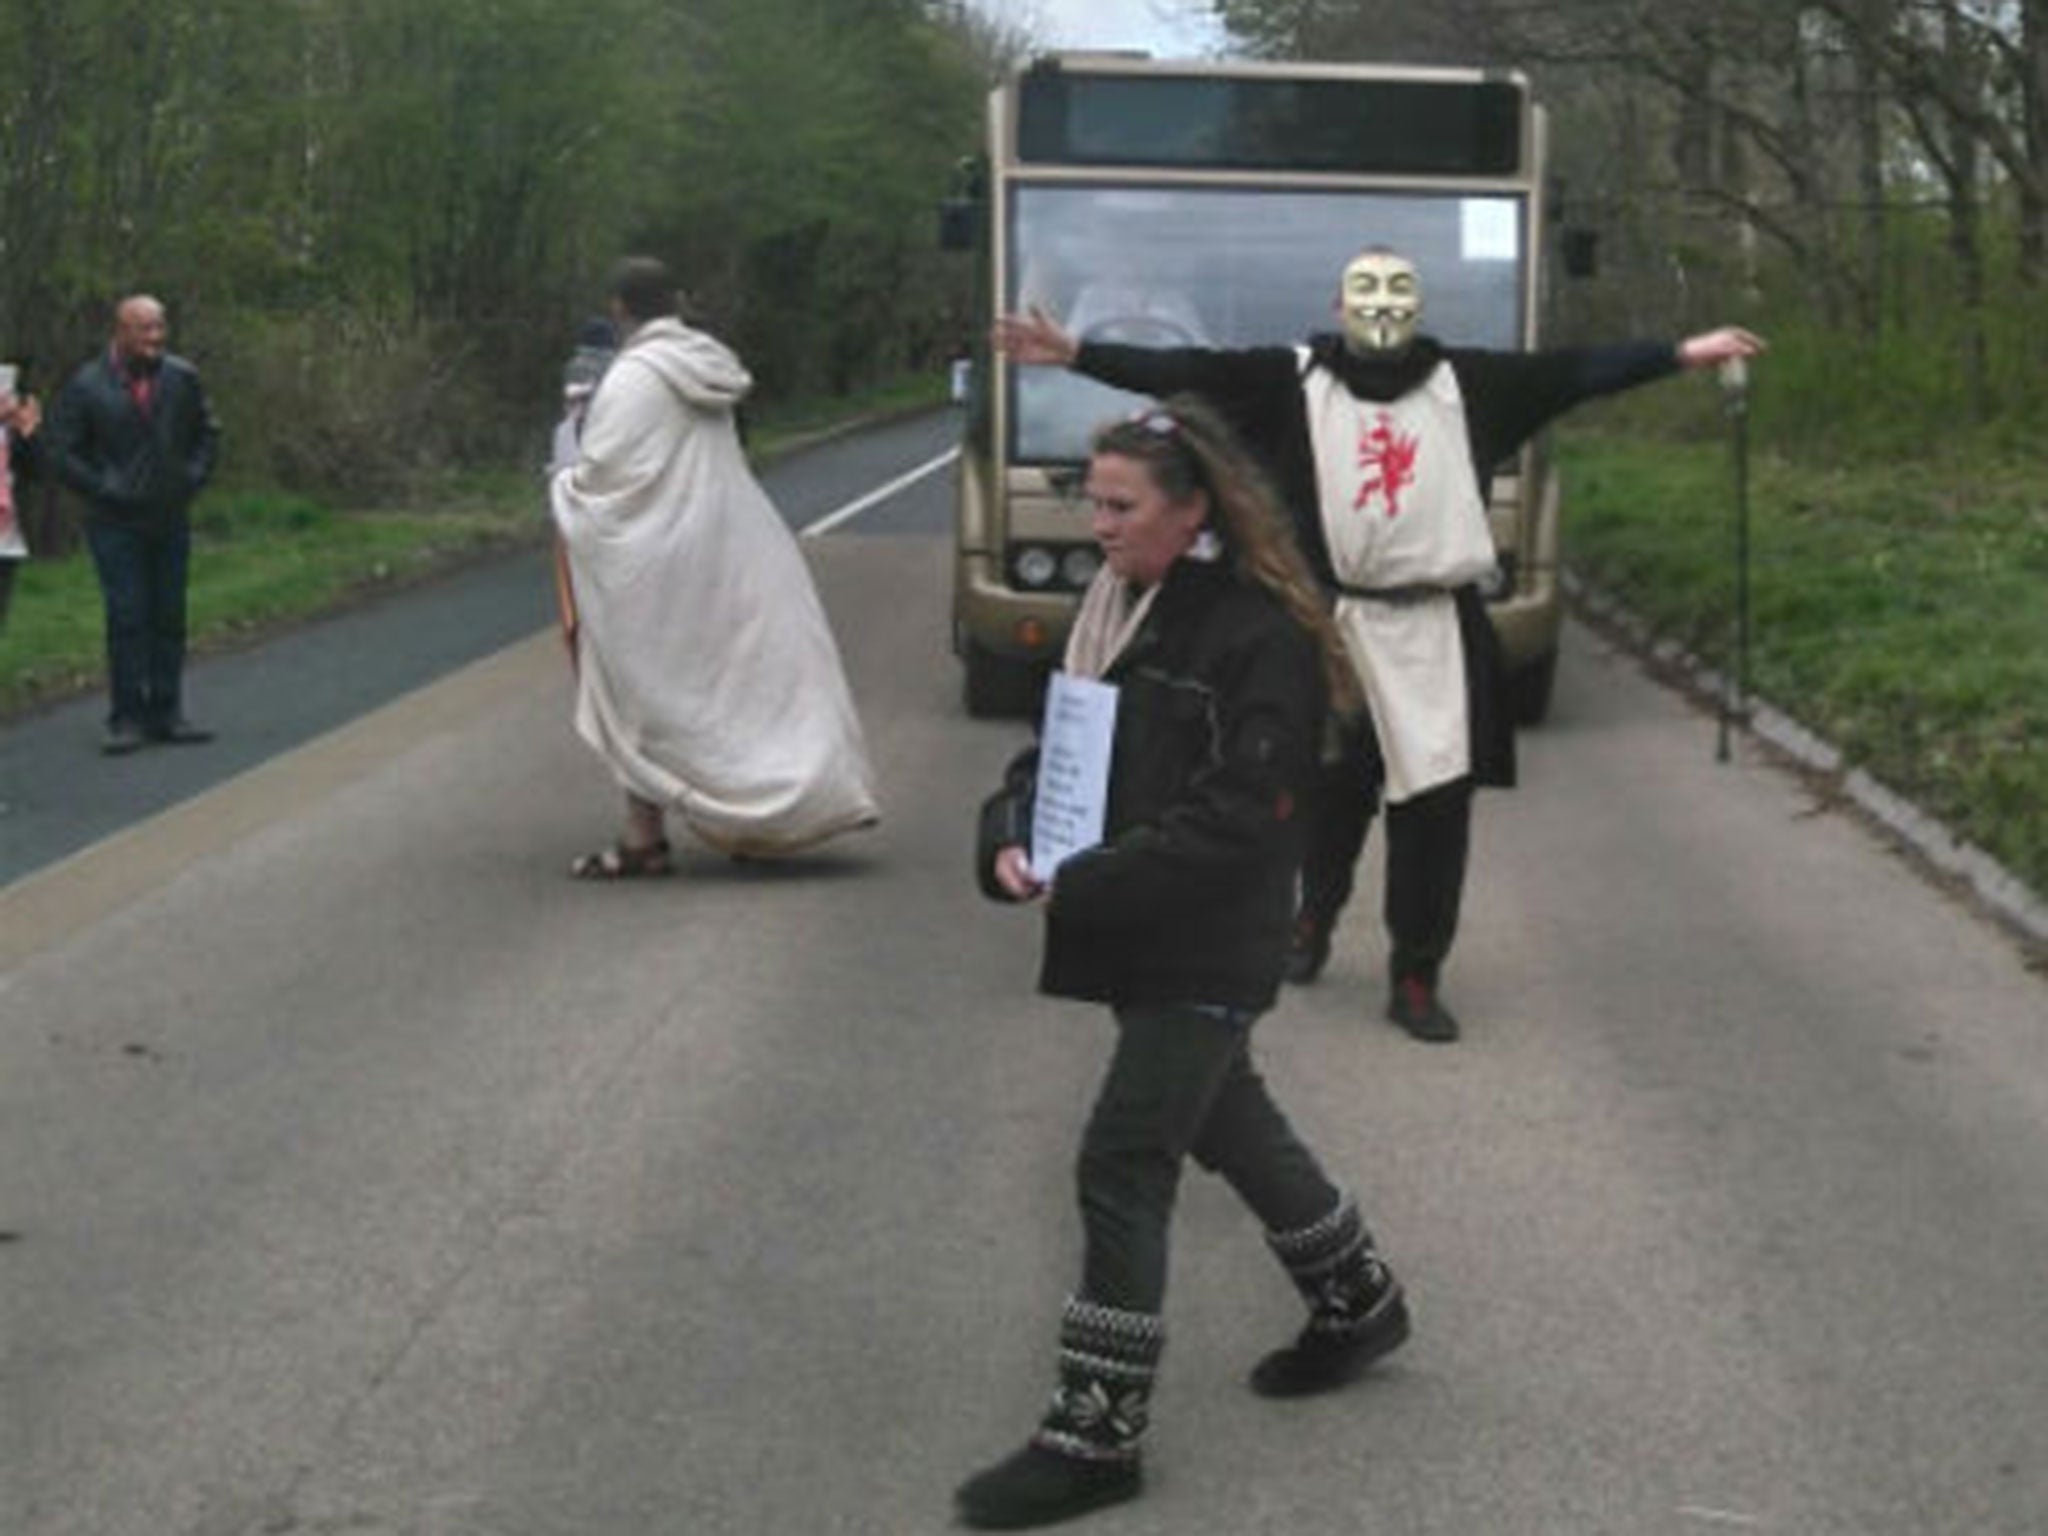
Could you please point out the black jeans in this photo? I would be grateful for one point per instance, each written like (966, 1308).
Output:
(1181, 1082)
(142, 582)
(1428, 840)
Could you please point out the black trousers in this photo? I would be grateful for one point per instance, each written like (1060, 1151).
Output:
(1428, 840)
(1181, 1083)
(142, 582)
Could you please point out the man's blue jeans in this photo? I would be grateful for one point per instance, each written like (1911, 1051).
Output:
(1181, 1083)
(142, 581)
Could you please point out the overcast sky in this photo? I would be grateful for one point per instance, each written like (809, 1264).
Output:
(1167, 28)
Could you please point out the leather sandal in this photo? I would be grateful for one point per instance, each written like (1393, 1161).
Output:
(621, 861)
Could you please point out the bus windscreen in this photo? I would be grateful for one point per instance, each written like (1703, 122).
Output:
(1231, 267)
(1349, 127)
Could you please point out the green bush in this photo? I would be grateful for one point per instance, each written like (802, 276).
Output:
(340, 404)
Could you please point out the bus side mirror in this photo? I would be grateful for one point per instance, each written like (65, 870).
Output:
(1581, 253)
(959, 221)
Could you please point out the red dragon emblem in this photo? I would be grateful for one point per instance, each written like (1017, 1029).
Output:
(1388, 459)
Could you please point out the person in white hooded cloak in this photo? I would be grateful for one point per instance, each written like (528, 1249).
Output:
(707, 676)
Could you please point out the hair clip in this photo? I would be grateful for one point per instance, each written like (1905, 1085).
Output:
(1161, 422)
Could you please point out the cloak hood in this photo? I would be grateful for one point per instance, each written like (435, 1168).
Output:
(700, 368)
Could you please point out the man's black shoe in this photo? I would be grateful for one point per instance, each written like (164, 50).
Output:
(121, 738)
(1415, 1008)
(1041, 1486)
(181, 732)
(1308, 951)
(1322, 1360)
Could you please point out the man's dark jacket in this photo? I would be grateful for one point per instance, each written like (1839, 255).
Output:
(1189, 897)
(134, 469)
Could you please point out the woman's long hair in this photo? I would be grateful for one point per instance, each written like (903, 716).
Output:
(1187, 447)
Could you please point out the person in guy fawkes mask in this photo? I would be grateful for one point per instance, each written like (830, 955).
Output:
(1383, 442)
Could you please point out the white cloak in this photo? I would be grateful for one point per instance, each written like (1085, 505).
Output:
(707, 676)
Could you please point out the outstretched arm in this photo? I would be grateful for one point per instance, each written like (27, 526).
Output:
(1710, 348)
(1228, 378)
(1509, 396)
(1035, 337)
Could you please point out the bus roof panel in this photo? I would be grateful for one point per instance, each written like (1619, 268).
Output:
(1429, 123)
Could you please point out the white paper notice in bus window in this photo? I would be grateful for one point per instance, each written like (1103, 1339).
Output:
(1491, 229)
(1073, 770)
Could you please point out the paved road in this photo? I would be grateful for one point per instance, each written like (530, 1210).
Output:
(366, 1176)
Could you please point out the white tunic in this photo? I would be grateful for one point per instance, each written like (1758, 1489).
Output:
(1401, 509)
(707, 676)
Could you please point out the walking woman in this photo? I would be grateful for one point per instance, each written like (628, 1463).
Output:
(1205, 620)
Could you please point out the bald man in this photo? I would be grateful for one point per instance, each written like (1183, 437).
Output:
(133, 435)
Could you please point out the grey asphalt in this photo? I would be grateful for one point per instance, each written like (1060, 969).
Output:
(368, 1176)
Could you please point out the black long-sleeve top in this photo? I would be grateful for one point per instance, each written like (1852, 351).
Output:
(1509, 397)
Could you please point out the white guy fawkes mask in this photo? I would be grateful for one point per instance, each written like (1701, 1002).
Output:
(1380, 298)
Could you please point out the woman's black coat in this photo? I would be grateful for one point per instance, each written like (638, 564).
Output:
(1189, 897)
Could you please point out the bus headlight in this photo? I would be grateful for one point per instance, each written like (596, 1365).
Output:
(1034, 567)
(1078, 567)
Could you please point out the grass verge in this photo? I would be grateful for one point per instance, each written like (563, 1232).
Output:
(1899, 609)
(263, 561)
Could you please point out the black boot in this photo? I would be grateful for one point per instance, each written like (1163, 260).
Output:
(1085, 1453)
(1308, 950)
(1356, 1312)
(1413, 1004)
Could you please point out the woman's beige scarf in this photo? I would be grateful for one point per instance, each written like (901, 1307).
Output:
(1110, 614)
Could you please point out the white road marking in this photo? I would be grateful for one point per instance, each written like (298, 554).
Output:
(881, 493)
(1717, 1516)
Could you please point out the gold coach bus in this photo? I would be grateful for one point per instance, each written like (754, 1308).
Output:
(1204, 204)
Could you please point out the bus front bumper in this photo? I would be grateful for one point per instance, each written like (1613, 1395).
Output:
(990, 614)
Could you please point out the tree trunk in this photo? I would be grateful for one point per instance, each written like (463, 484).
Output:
(2033, 203)
(1964, 166)
(1868, 107)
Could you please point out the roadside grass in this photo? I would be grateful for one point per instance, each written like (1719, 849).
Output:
(262, 561)
(1899, 608)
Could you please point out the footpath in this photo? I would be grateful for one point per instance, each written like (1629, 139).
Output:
(60, 794)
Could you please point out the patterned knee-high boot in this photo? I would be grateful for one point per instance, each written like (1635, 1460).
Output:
(1356, 1312)
(1085, 1452)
